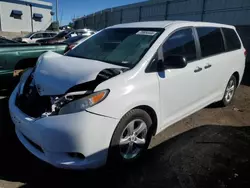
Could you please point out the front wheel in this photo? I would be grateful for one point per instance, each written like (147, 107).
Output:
(229, 91)
(131, 137)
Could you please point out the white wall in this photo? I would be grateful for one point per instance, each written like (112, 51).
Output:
(12, 24)
(45, 21)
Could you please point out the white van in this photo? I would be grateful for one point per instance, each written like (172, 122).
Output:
(106, 98)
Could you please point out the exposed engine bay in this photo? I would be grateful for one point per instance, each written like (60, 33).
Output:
(35, 105)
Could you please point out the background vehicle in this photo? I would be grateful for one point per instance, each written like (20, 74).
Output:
(7, 41)
(58, 38)
(64, 35)
(104, 100)
(17, 57)
(33, 37)
(73, 41)
(84, 32)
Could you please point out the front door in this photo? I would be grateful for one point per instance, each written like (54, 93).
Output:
(180, 88)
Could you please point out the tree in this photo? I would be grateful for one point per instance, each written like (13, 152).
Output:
(71, 24)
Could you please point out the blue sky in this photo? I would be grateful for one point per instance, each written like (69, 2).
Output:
(70, 8)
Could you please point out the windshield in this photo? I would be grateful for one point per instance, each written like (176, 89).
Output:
(28, 35)
(119, 46)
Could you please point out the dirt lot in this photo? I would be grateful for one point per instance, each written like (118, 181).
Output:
(208, 149)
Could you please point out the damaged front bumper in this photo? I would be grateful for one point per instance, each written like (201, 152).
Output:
(54, 138)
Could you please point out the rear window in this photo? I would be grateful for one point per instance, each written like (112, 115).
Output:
(211, 41)
(232, 40)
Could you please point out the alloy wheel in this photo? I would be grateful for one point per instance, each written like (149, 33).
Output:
(133, 139)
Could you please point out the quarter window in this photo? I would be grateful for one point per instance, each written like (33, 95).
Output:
(211, 41)
(181, 43)
(232, 40)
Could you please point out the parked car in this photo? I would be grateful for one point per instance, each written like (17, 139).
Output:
(84, 32)
(104, 100)
(60, 37)
(64, 35)
(34, 36)
(14, 58)
(73, 41)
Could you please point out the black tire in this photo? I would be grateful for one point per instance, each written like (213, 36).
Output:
(225, 102)
(115, 156)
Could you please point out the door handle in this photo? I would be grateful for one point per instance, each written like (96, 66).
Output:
(208, 66)
(198, 69)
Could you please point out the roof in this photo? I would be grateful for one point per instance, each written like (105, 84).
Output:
(45, 32)
(164, 24)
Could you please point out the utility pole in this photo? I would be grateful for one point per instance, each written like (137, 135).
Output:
(31, 18)
(57, 11)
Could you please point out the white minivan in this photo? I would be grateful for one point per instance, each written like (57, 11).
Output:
(104, 100)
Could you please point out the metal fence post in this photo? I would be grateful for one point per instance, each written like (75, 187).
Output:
(94, 26)
(203, 9)
(121, 15)
(140, 13)
(106, 19)
(166, 11)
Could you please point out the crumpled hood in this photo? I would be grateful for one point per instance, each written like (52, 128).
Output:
(56, 73)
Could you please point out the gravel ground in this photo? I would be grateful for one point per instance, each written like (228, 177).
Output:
(208, 149)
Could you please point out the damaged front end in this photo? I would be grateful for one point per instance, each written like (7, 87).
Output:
(76, 99)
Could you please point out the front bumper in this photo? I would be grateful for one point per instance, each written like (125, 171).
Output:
(52, 138)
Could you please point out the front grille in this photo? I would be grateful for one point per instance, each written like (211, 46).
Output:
(31, 103)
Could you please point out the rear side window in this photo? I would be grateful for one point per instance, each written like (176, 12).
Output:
(38, 35)
(53, 34)
(211, 41)
(46, 35)
(232, 40)
(181, 43)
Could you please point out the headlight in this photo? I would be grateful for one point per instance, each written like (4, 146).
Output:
(72, 102)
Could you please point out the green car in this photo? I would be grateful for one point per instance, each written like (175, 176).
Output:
(15, 58)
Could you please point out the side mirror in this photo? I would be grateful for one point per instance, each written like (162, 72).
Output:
(175, 62)
(172, 62)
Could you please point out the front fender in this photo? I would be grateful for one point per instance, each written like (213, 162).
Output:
(128, 94)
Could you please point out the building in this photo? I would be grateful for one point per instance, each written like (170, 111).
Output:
(25, 15)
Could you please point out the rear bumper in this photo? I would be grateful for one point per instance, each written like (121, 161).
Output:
(52, 138)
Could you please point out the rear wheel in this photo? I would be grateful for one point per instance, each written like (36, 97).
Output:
(229, 92)
(131, 137)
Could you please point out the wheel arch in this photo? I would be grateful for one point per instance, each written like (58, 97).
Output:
(151, 112)
(237, 76)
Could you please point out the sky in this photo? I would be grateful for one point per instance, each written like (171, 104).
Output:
(69, 9)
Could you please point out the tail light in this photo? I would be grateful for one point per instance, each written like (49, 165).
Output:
(245, 53)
